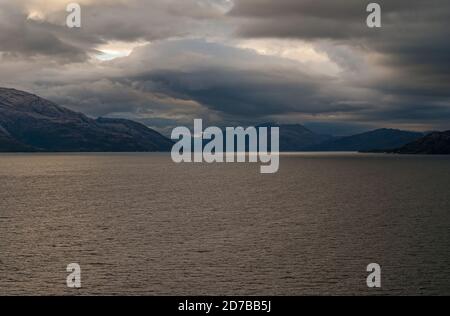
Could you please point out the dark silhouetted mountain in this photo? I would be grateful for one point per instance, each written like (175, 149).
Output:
(375, 140)
(433, 144)
(9, 144)
(30, 123)
(296, 137)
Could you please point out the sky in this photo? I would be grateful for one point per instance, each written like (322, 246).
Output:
(165, 63)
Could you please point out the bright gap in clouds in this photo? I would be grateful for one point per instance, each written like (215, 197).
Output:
(117, 49)
(295, 50)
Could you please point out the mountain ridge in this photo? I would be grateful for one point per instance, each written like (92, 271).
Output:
(436, 143)
(378, 139)
(30, 123)
(297, 137)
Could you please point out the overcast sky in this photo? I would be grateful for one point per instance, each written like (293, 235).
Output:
(236, 62)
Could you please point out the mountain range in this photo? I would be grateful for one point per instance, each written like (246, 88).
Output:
(29, 123)
(373, 140)
(296, 137)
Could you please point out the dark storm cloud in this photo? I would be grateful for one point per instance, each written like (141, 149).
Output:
(235, 81)
(25, 37)
(328, 19)
(195, 64)
(228, 81)
(146, 20)
(414, 36)
(412, 47)
(102, 21)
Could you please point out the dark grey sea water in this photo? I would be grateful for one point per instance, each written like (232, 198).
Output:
(139, 224)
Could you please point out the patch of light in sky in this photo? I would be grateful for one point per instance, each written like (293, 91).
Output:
(116, 49)
(295, 50)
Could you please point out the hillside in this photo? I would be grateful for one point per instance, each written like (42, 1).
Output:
(31, 123)
(374, 140)
(296, 137)
(433, 144)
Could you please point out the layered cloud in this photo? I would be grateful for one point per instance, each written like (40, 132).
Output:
(410, 52)
(165, 62)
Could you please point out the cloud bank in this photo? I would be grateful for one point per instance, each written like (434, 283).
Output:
(165, 62)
